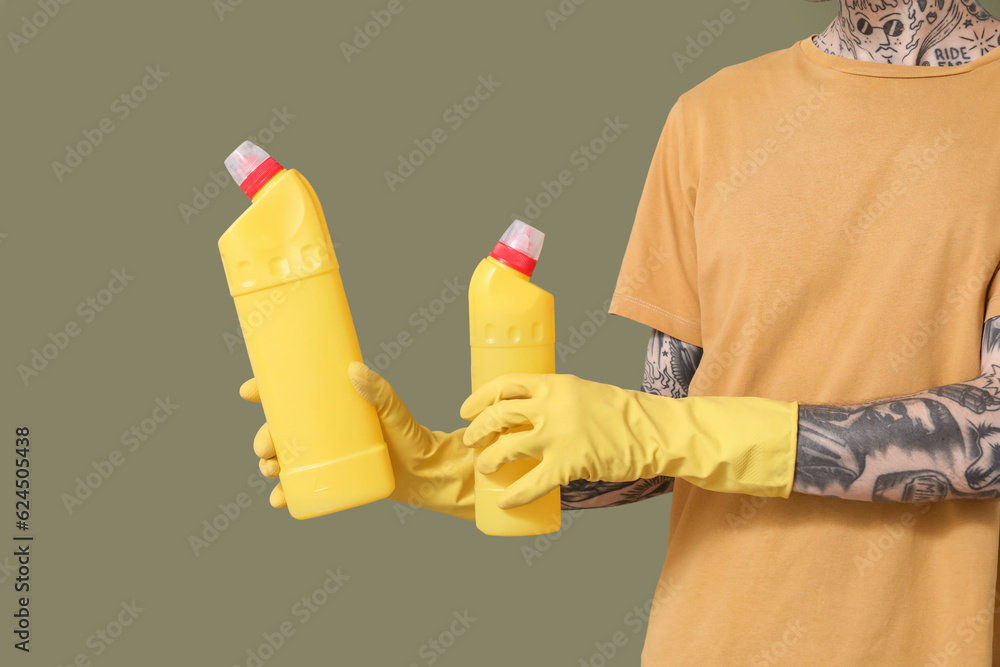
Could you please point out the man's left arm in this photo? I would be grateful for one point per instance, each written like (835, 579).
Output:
(940, 444)
(935, 445)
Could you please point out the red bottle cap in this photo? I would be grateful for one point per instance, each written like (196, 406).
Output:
(251, 167)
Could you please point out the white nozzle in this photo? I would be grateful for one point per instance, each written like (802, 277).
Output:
(244, 160)
(524, 238)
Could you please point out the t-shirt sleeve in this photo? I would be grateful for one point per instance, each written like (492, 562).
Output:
(658, 281)
(993, 297)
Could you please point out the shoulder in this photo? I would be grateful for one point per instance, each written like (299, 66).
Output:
(734, 88)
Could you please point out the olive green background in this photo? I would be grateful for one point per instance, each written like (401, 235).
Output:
(170, 332)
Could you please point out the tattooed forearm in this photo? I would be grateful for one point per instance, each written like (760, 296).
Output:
(581, 494)
(670, 365)
(935, 445)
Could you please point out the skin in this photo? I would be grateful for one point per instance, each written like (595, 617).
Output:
(935, 445)
(932, 33)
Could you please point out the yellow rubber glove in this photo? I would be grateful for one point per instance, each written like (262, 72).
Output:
(587, 430)
(433, 469)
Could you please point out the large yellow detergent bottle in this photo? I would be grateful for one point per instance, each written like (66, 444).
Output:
(285, 280)
(511, 330)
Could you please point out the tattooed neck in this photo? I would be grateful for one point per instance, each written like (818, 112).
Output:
(933, 33)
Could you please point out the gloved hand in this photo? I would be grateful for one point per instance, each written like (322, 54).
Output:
(586, 430)
(433, 469)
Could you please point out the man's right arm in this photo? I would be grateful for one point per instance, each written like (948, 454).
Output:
(670, 365)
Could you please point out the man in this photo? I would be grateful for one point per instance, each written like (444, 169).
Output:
(819, 227)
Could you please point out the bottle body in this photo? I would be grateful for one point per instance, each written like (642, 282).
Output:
(300, 337)
(512, 330)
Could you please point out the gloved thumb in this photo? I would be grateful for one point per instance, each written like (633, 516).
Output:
(392, 412)
(249, 391)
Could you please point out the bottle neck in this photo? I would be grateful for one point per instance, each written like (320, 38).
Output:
(515, 259)
(509, 269)
(260, 176)
(268, 185)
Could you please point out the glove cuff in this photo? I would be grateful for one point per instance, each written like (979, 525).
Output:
(766, 466)
(442, 478)
(734, 444)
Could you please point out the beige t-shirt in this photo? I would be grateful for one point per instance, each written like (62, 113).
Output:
(828, 231)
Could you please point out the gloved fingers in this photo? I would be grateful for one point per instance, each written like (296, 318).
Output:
(393, 414)
(530, 487)
(496, 420)
(270, 467)
(249, 391)
(511, 385)
(277, 498)
(263, 445)
(509, 447)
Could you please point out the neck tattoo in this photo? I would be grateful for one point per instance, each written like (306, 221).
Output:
(931, 33)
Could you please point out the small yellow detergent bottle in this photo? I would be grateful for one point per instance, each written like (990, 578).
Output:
(511, 330)
(285, 280)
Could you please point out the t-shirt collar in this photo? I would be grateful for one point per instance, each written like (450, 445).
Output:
(865, 68)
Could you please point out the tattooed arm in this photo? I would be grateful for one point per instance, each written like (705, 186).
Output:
(670, 365)
(935, 445)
